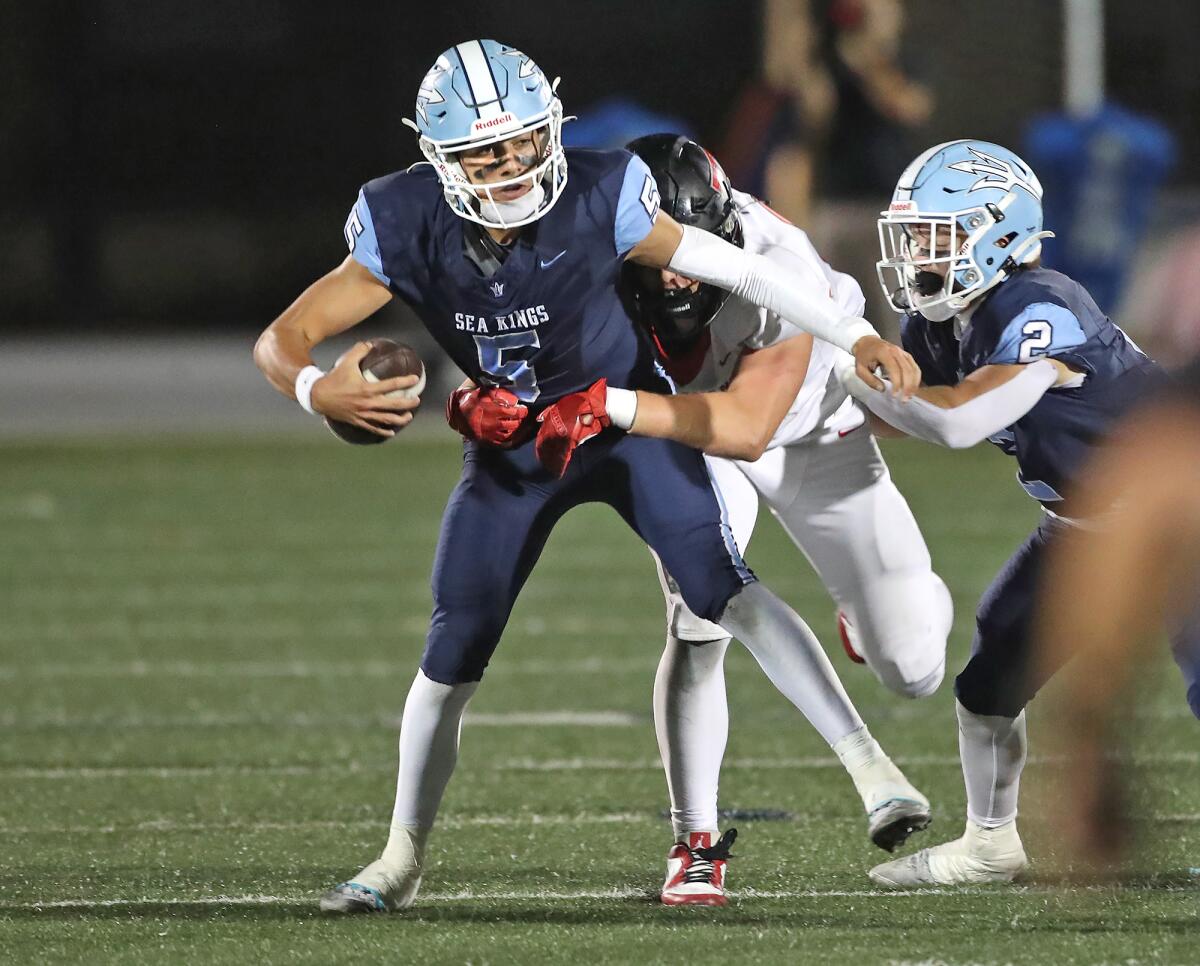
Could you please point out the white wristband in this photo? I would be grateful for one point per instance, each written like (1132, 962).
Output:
(621, 406)
(305, 380)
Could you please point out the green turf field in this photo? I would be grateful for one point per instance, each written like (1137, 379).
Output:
(204, 650)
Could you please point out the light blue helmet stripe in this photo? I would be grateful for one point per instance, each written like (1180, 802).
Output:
(482, 92)
(479, 78)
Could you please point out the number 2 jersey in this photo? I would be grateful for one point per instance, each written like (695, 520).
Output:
(544, 319)
(1035, 314)
(739, 326)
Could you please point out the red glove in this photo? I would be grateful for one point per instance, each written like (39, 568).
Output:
(485, 414)
(569, 422)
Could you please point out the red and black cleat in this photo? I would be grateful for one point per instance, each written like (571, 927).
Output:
(846, 633)
(696, 870)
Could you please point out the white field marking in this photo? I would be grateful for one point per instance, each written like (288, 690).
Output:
(245, 592)
(514, 764)
(532, 895)
(809, 762)
(240, 564)
(449, 822)
(316, 669)
(381, 633)
(534, 820)
(203, 719)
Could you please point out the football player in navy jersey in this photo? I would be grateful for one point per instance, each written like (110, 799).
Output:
(1115, 587)
(1021, 355)
(508, 247)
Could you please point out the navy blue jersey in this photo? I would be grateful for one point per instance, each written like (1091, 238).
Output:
(1035, 314)
(549, 321)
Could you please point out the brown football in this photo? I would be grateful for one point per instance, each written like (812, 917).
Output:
(385, 360)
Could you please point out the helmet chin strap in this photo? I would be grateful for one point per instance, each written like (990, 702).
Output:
(943, 311)
(508, 212)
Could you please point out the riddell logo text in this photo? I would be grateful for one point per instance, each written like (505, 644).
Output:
(492, 122)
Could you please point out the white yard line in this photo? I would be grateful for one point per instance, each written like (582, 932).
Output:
(518, 820)
(470, 895)
(809, 762)
(513, 764)
(313, 669)
(522, 820)
(202, 719)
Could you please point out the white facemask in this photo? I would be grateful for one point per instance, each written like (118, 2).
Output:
(510, 212)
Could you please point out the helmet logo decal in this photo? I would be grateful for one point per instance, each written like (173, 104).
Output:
(494, 122)
(995, 173)
(428, 93)
(715, 171)
(526, 67)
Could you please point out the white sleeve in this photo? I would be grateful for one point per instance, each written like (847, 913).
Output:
(962, 426)
(757, 279)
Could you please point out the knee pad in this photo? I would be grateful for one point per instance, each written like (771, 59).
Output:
(906, 648)
(907, 682)
(459, 646)
(989, 691)
(921, 687)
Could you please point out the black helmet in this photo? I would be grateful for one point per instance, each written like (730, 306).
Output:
(695, 192)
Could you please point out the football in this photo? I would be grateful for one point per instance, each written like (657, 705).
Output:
(385, 360)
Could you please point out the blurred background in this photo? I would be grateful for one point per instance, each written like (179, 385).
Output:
(175, 173)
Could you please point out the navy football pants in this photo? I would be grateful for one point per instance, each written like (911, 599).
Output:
(1001, 678)
(505, 505)
(998, 680)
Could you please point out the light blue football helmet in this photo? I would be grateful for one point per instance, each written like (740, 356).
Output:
(965, 215)
(478, 93)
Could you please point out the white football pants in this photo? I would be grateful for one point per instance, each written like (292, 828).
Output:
(837, 502)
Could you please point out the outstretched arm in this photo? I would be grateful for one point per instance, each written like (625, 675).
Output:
(739, 422)
(959, 416)
(707, 258)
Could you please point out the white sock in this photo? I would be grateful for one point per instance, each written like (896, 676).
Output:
(691, 720)
(428, 752)
(993, 750)
(792, 658)
(858, 750)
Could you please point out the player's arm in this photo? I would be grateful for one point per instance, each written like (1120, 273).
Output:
(740, 421)
(757, 279)
(333, 304)
(985, 402)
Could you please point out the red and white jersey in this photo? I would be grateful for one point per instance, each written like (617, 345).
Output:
(739, 326)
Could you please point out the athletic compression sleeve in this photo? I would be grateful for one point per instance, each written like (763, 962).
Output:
(757, 279)
(962, 426)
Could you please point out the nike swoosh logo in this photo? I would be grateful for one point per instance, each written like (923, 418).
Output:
(728, 356)
(546, 264)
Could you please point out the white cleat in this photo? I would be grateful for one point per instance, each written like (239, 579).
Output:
(981, 856)
(895, 809)
(380, 887)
